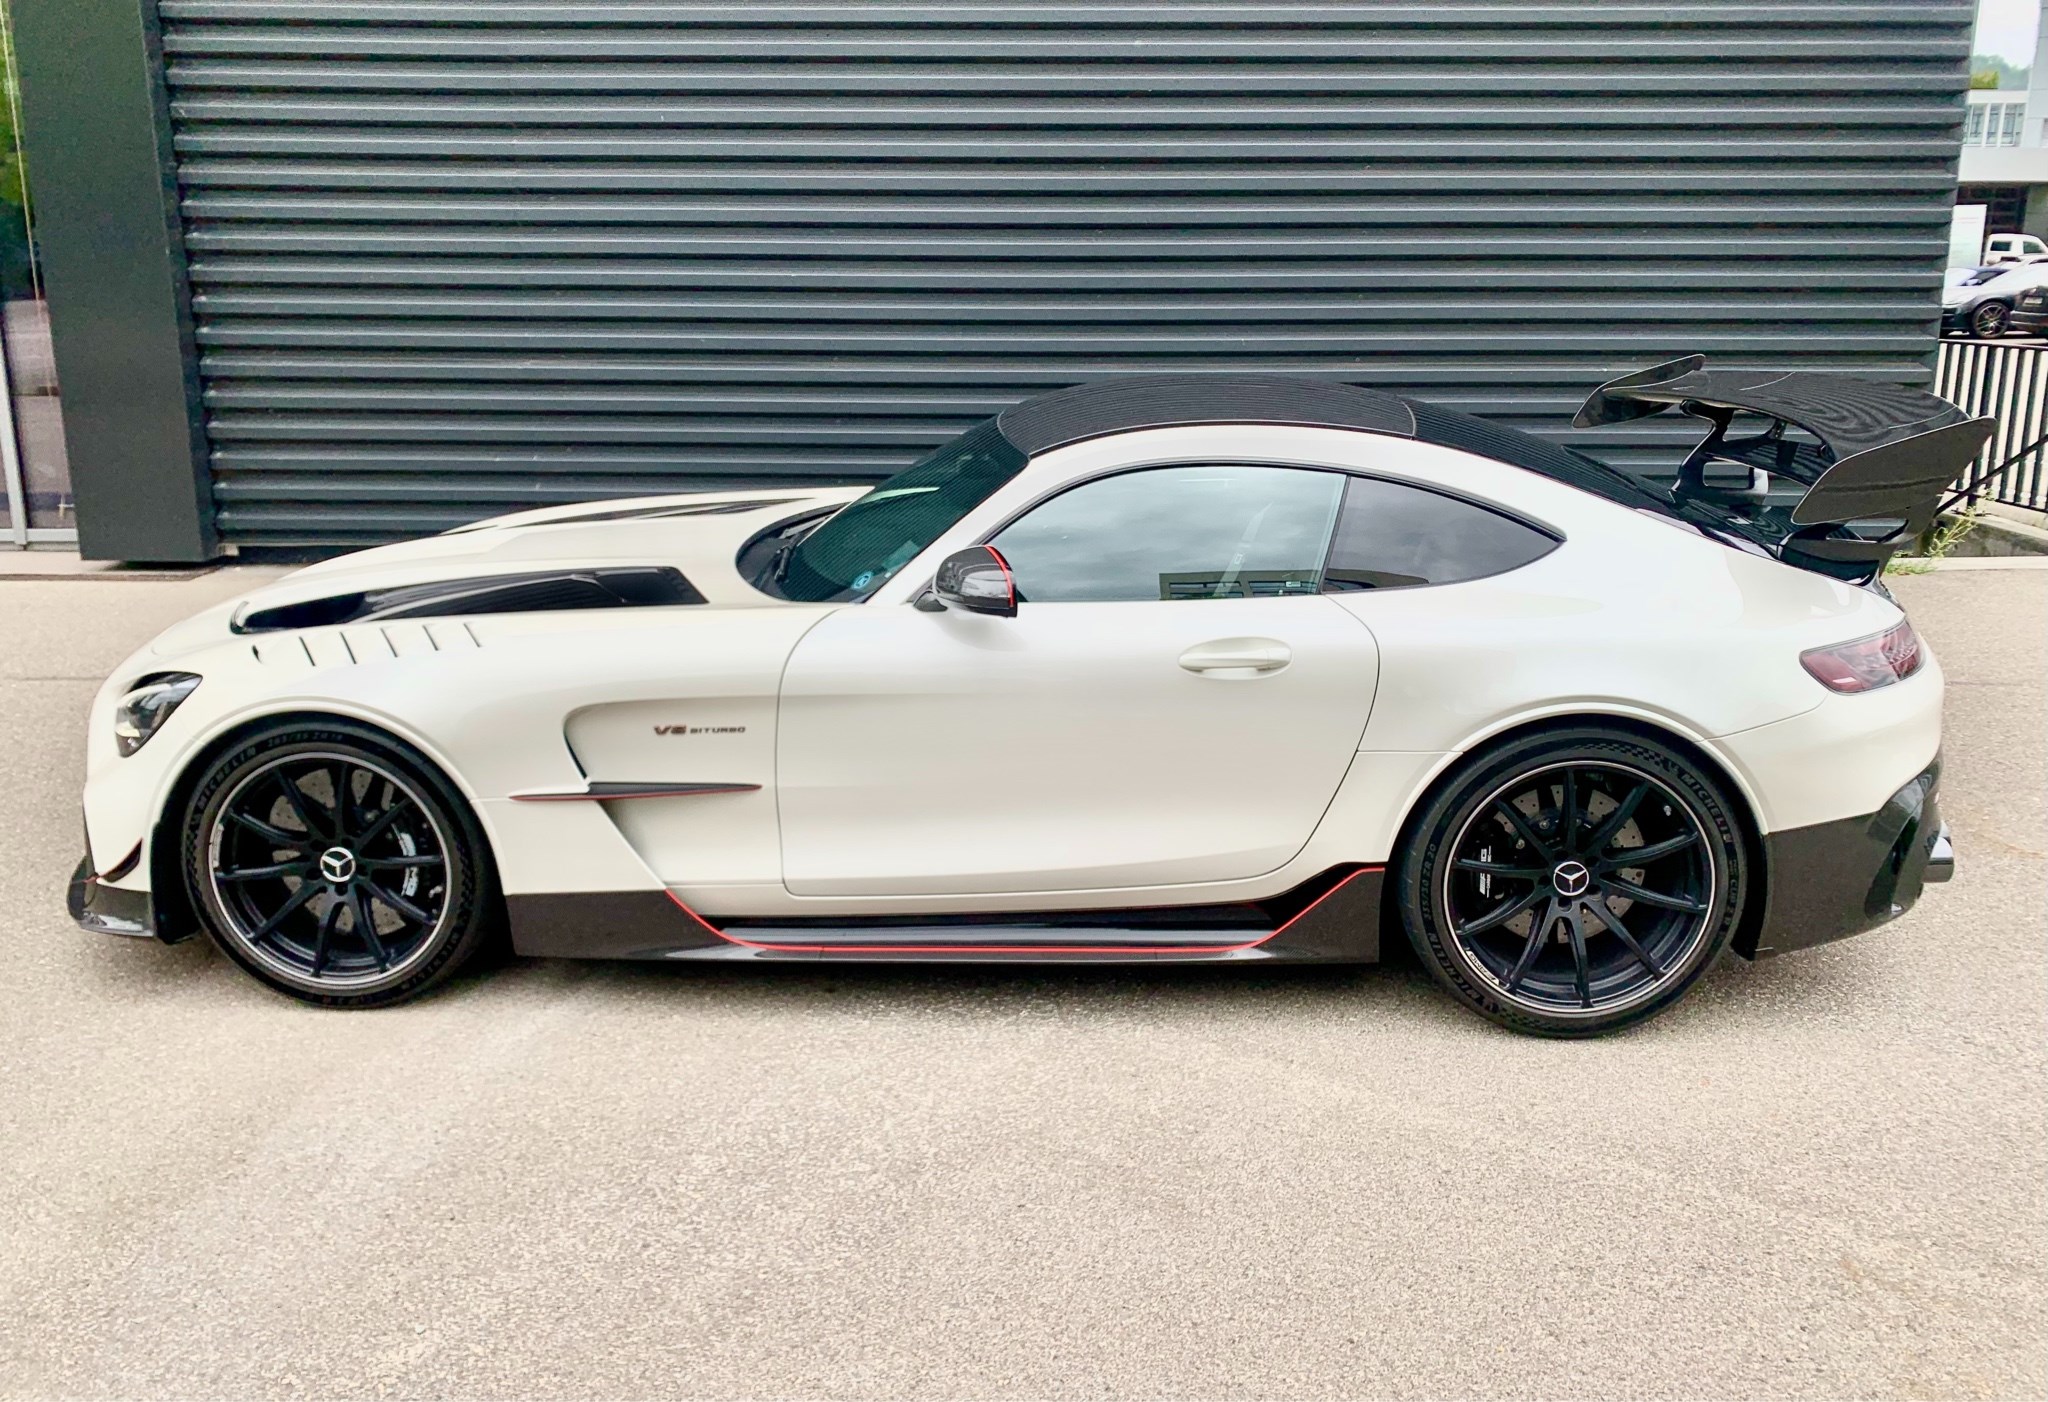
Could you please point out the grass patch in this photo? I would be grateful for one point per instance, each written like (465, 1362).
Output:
(1936, 544)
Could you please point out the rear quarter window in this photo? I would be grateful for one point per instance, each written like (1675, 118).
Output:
(1394, 536)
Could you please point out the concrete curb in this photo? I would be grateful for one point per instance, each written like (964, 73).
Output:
(1981, 562)
(66, 564)
(1997, 534)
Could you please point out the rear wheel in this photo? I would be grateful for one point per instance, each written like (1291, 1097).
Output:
(1575, 882)
(337, 866)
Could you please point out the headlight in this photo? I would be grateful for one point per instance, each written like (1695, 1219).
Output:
(148, 704)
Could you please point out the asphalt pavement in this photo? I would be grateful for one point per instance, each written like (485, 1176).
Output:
(1823, 1176)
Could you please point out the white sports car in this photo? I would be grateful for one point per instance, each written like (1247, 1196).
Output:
(1199, 669)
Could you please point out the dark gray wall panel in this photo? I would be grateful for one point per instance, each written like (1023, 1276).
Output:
(454, 258)
(107, 233)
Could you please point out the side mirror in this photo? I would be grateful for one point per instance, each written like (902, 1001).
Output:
(976, 580)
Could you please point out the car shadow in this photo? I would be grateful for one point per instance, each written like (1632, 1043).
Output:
(911, 985)
(1733, 996)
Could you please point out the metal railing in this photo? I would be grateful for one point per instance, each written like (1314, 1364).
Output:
(2010, 384)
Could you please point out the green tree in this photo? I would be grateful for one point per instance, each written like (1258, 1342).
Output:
(1991, 71)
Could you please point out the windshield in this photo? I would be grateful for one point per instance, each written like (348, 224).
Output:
(856, 550)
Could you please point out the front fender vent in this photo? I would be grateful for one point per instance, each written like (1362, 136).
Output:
(624, 586)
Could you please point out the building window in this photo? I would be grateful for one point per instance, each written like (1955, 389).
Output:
(1994, 124)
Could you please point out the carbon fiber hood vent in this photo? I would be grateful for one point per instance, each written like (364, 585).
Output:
(659, 511)
(625, 586)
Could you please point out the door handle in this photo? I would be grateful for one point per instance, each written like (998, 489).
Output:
(1237, 657)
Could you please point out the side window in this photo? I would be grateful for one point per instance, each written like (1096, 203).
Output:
(1392, 536)
(1177, 533)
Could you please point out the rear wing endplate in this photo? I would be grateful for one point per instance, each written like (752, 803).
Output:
(1873, 477)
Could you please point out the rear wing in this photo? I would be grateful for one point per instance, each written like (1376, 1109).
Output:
(1873, 478)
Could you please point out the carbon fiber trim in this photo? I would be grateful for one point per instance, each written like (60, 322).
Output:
(540, 591)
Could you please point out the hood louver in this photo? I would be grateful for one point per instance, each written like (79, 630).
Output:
(632, 586)
(663, 511)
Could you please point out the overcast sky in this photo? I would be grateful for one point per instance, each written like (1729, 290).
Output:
(2006, 28)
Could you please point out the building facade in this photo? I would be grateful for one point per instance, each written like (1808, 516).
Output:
(322, 273)
(2004, 163)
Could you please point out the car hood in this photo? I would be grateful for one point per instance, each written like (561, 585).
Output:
(2007, 286)
(667, 549)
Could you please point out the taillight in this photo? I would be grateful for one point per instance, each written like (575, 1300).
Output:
(1867, 663)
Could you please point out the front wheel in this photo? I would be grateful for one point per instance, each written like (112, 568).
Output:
(1991, 320)
(1575, 882)
(337, 865)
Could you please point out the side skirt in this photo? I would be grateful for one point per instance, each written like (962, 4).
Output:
(1333, 917)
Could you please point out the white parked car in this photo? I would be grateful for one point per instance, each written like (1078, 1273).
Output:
(1199, 669)
(2013, 248)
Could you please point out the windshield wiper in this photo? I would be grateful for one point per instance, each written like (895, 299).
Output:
(779, 562)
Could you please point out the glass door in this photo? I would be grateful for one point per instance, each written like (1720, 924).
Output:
(38, 505)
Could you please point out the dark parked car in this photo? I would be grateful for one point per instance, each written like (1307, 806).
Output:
(2030, 312)
(1981, 302)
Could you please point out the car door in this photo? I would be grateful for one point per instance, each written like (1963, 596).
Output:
(1174, 701)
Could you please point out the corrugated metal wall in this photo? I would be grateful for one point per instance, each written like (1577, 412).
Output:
(459, 257)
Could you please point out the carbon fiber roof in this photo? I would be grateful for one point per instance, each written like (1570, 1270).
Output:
(1168, 401)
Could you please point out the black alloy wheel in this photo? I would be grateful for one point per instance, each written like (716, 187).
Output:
(1990, 320)
(337, 866)
(1574, 883)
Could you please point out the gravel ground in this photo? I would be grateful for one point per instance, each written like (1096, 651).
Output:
(1819, 1177)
